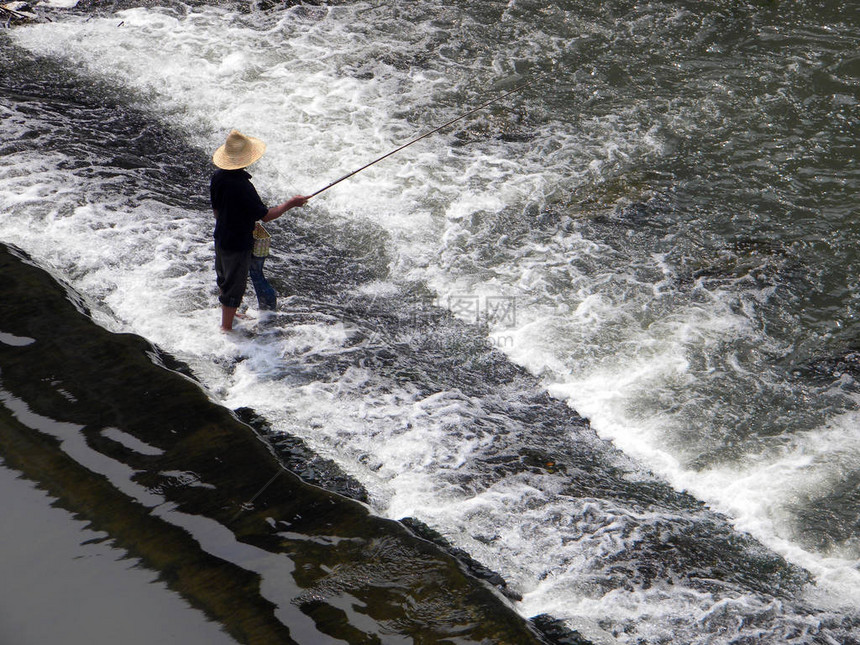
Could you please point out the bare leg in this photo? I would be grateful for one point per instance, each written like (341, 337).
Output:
(227, 315)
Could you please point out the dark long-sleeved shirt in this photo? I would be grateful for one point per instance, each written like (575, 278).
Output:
(237, 207)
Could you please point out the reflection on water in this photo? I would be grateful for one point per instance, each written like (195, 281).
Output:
(68, 583)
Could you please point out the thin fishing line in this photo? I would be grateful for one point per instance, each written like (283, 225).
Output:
(426, 134)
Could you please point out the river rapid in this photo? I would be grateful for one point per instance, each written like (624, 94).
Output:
(660, 230)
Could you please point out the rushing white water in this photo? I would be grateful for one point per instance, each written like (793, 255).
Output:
(622, 338)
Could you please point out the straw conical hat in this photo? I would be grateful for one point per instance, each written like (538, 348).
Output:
(239, 151)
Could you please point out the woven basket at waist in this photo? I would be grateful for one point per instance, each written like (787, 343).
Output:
(262, 241)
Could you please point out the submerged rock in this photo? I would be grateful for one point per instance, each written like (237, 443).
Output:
(13, 13)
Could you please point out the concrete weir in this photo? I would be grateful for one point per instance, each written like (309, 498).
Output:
(142, 456)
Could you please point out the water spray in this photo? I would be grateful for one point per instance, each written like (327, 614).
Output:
(426, 134)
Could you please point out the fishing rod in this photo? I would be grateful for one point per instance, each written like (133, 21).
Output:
(426, 134)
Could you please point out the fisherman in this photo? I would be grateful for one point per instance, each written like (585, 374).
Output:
(237, 208)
